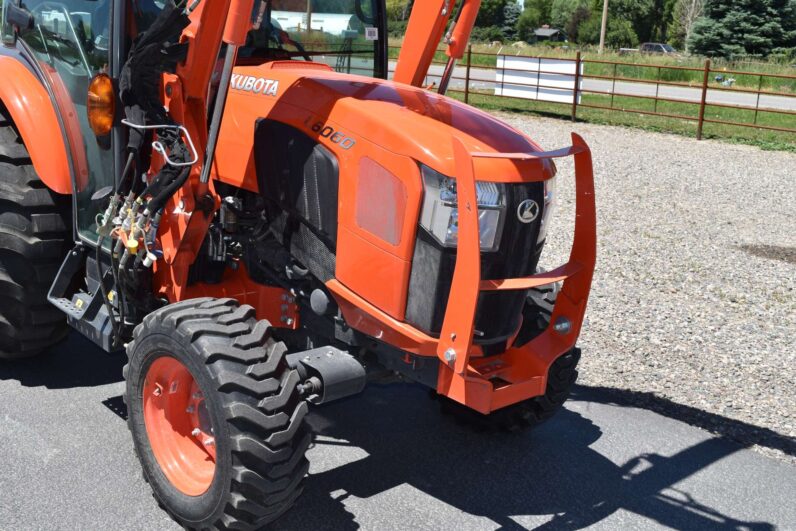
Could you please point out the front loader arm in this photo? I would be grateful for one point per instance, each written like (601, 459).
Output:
(187, 98)
(427, 24)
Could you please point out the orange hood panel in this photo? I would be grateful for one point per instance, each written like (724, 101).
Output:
(402, 119)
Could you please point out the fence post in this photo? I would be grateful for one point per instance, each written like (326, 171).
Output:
(757, 103)
(657, 89)
(613, 86)
(467, 75)
(704, 99)
(575, 91)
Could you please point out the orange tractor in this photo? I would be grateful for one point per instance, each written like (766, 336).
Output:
(232, 191)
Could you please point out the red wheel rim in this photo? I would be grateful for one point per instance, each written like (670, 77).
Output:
(179, 427)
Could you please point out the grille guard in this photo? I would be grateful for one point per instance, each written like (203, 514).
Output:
(486, 384)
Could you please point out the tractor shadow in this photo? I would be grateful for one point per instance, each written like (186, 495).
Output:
(551, 472)
(75, 362)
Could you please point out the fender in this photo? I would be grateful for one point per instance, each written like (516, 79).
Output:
(32, 111)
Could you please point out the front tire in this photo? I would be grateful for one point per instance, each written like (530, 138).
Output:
(34, 233)
(253, 411)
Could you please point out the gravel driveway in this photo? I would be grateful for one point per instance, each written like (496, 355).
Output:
(694, 295)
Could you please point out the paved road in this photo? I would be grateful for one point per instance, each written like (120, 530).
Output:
(387, 460)
(484, 79)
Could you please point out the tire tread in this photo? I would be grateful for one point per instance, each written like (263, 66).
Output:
(34, 239)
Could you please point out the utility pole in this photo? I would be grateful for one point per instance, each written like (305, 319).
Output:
(604, 26)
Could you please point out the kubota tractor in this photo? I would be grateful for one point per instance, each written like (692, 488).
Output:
(231, 190)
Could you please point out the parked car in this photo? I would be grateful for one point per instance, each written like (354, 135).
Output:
(657, 48)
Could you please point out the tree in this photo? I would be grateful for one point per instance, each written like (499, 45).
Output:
(627, 20)
(542, 7)
(562, 11)
(535, 14)
(397, 9)
(686, 13)
(637, 13)
(730, 28)
(529, 20)
(511, 16)
(620, 33)
(491, 13)
(569, 15)
(653, 23)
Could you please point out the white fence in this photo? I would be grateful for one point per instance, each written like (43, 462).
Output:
(536, 78)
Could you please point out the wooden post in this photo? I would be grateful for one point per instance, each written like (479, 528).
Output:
(603, 27)
(467, 75)
(575, 91)
(704, 99)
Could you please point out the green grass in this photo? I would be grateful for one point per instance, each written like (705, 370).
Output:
(624, 115)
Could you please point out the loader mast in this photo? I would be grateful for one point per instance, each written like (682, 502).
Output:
(187, 95)
(427, 26)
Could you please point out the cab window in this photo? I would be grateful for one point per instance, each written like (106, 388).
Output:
(340, 33)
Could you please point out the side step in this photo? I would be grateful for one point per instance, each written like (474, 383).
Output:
(85, 310)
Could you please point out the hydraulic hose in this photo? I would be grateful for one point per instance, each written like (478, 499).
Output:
(159, 201)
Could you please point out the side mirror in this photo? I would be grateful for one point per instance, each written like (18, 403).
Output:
(361, 12)
(18, 16)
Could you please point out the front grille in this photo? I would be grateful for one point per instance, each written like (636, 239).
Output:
(498, 314)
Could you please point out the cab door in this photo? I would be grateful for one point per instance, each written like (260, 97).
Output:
(72, 41)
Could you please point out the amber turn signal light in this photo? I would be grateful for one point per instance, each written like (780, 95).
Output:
(101, 104)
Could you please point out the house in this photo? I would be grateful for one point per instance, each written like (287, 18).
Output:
(546, 33)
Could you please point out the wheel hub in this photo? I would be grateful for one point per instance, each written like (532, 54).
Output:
(178, 426)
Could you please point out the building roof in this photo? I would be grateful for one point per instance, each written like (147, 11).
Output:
(546, 32)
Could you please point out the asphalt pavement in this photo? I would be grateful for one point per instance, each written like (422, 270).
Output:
(387, 459)
(484, 79)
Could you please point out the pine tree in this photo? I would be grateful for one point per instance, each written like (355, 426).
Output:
(744, 27)
(511, 15)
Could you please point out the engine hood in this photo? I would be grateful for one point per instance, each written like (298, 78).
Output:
(400, 118)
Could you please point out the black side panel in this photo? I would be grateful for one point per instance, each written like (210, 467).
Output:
(429, 283)
(299, 180)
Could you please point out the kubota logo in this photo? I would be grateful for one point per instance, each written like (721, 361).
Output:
(257, 85)
(528, 211)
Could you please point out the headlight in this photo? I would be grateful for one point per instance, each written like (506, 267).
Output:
(440, 215)
(549, 207)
